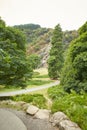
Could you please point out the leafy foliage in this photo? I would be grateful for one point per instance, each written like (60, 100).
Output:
(83, 28)
(74, 73)
(73, 105)
(14, 67)
(34, 60)
(2, 23)
(27, 26)
(55, 61)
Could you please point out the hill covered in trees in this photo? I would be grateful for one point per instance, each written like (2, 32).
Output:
(39, 40)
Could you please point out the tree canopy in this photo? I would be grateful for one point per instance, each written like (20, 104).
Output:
(74, 74)
(14, 67)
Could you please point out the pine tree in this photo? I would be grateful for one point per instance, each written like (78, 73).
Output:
(55, 61)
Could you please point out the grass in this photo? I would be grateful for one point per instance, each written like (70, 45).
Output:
(40, 77)
(44, 92)
(36, 83)
(41, 71)
(8, 88)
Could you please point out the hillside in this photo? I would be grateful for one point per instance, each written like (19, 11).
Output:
(39, 40)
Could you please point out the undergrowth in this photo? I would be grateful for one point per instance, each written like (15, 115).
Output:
(73, 105)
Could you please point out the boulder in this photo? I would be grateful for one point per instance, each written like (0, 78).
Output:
(9, 121)
(32, 110)
(33, 123)
(42, 114)
(68, 125)
(57, 118)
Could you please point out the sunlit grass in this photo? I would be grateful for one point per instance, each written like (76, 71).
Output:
(42, 71)
(9, 88)
(40, 77)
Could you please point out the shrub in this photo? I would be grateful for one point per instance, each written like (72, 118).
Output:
(35, 99)
(73, 105)
(56, 92)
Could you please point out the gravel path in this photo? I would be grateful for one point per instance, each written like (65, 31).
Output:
(23, 91)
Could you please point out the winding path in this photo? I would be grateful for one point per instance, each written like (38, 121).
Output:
(23, 91)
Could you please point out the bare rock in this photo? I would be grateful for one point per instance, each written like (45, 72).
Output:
(42, 114)
(32, 110)
(33, 123)
(57, 118)
(9, 121)
(68, 125)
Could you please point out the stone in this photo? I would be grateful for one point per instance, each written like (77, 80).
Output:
(68, 125)
(33, 123)
(42, 114)
(32, 110)
(57, 118)
(9, 121)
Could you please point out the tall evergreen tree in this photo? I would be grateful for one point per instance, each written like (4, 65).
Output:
(55, 61)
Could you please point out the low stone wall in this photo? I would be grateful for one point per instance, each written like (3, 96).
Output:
(58, 120)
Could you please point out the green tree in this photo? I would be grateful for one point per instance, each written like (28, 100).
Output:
(74, 74)
(14, 66)
(2, 23)
(55, 61)
(34, 60)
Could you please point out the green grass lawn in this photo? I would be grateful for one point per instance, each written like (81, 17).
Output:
(40, 77)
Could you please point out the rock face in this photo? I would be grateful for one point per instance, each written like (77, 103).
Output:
(57, 118)
(9, 121)
(42, 114)
(32, 123)
(32, 110)
(68, 125)
(60, 120)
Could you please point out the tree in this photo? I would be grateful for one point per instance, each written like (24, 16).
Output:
(55, 61)
(14, 66)
(2, 23)
(74, 74)
(34, 60)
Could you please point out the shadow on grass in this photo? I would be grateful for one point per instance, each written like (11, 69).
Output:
(38, 82)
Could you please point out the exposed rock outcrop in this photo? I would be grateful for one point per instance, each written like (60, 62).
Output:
(57, 118)
(60, 120)
(68, 125)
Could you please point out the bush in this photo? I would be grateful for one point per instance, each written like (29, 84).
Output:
(56, 92)
(73, 105)
(35, 99)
